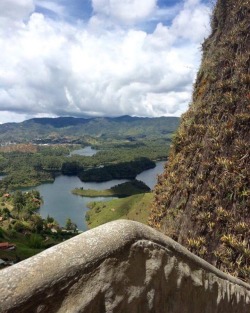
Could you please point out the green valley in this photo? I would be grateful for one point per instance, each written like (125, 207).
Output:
(39, 149)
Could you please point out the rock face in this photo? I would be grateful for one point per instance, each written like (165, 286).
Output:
(120, 267)
(203, 198)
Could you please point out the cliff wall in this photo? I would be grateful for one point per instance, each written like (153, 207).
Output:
(203, 198)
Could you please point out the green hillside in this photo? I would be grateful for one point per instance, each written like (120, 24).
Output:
(136, 208)
(78, 130)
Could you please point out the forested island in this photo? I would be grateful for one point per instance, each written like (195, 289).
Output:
(130, 188)
(123, 170)
(31, 165)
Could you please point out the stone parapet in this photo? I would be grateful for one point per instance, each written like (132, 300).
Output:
(122, 266)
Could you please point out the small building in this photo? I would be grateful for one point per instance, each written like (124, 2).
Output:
(7, 246)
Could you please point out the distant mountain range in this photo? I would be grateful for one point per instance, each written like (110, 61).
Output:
(71, 129)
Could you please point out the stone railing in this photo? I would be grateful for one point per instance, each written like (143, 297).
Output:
(120, 267)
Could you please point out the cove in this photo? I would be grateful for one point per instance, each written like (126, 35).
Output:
(149, 177)
(60, 203)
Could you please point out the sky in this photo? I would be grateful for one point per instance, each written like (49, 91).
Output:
(88, 58)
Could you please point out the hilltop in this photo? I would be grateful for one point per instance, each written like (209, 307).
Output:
(203, 198)
(78, 130)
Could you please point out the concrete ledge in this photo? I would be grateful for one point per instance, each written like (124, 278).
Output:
(103, 269)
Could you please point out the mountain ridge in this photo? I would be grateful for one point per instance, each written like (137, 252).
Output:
(74, 127)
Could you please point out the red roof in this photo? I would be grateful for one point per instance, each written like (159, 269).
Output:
(6, 245)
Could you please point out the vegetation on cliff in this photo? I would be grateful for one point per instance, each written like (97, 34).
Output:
(203, 198)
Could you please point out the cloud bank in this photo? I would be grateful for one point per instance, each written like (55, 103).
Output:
(129, 57)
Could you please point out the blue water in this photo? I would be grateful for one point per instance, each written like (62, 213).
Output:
(149, 177)
(87, 151)
(60, 203)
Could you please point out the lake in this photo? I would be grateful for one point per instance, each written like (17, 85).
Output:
(61, 204)
(86, 151)
(149, 177)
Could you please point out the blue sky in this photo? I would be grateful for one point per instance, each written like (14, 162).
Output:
(75, 9)
(99, 57)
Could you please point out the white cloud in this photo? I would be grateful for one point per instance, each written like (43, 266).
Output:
(166, 13)
(193, 21)
(126, 11)
(16, 9)
(51, 6)
(13, 12)
(53, 68)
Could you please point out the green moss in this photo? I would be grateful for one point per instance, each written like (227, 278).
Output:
(209, 164)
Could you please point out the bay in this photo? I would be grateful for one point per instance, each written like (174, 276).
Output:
(149, 177)
(61, 204)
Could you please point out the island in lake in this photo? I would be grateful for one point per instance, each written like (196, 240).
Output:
(126, 189)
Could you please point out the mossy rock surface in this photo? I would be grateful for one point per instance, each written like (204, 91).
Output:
(203, 197)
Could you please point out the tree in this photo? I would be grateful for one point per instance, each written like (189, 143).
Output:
(37, 223)
(50, 219)
(6, 212)
(70, 225)
(18, 199)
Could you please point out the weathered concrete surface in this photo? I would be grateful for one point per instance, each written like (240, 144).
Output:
(120, 267)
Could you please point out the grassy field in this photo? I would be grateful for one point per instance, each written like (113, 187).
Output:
(134, 208)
